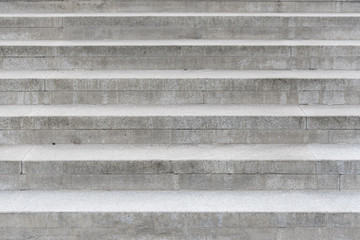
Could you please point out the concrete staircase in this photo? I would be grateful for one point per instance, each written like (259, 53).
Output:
(179, 119)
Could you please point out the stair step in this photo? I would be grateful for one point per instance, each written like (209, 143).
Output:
(179, 119)
(180, 167)
(146, 124)
(179, 6)
(179, 87)
(179, 215)
(116, 26)
(180, 55)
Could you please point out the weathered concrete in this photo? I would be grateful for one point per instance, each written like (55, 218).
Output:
(179, 215)
(167, 136)
(179, 124)
(180, 6)
(284, 169)
(180, 87)
(176, 167)
(115, 26)
(180, 55)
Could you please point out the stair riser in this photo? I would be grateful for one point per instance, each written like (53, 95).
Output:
(165, 27)
(180, 123)
(180, 6)
(179, 91)
(180, 57)
(174, 225)
(180, 97)
(180, 175)
(178, 136)
(182, 182)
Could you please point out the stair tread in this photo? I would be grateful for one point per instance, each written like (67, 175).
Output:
(177, 14)
(175, 74)
(181, 42)
(180, 201)
(178, 110)
(202, 152)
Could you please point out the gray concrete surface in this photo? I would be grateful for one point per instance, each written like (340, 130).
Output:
(180, 55)
(179, 215)
(100, 26)
(176, 167)
(179, 87)
(180, 201)
(231, 119)
(179, 6)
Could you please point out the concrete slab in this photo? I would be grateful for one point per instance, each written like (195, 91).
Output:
(181, 110)
(151, 110)
(181, 201)
(337, 110)
(263, 74)
(180, 74)
(176, 14)
(335, 152)
(14, 152)
(19, 110)
(112, 152)
(187, 42)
